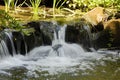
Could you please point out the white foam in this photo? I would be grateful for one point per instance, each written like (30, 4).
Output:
(45, 58)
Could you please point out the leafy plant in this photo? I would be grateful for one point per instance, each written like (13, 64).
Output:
(6, 21)
(86, 5)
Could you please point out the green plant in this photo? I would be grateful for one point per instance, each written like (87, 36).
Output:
(54, 2)
(35, 6)
(6, 21)
(8, 3)
(58, 4)
(12, 4)
(86, 5)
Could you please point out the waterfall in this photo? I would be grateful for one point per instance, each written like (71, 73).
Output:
(56, 58)
(6, 43)
(10, 36)
(59, 47)
(13, 43)
(63, 49)
(9, 46)
(61, 35)
(3, 49)
(59, 40)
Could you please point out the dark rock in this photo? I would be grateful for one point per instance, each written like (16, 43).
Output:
(7, 38)
(79, 33)
(102, 39)
(19, 43)
(114, 27)
(44, 30)
(117, 15)
(109, 37)
(97, 28)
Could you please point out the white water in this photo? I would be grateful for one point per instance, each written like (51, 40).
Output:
(3, 50)
(45, 58)
(9, 34)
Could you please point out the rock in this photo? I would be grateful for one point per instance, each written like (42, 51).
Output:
(15, 42)
(117, 15)
(19, 42)
(79, 33)
(113, 26)
(44, 30)
(110, 36)
(96, 15)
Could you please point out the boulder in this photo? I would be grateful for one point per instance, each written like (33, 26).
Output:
(80, 33)
(110, 36)
(43, 29)
(113, 26)
(96, 15)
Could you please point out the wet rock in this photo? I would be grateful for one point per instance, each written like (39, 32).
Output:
(79, 33)
(19, 43)
(114, 27)
(5, 41)
(101, 39)
(109, 37)
(44, 30)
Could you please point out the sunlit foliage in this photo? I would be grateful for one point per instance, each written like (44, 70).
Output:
(8, 22)
(85, 5)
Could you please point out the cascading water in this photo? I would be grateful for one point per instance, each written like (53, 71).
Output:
(60, 57)
(3, 50)
(9, 34)
(9, 41)
(59, 47)
(6, 42)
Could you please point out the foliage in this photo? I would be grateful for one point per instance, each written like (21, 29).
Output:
(58, 4)
(35, 5)
(54, 2)
(6, 21)
(12, 4)
(35, 8)
(8, 3)
(85, 5)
